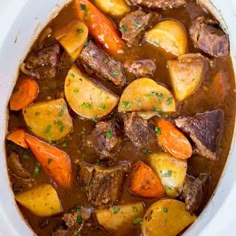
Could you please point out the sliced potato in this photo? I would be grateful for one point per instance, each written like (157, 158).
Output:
(171, 172)
(169, 35)
(166, 217)
(73, 38)
(49, 120)
(42, 200)
(113, 7)
(86, 98)
(119, 217)
(186, 74)
(146, 95)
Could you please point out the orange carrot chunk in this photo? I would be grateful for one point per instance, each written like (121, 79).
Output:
(55, 163)
(144, 182)
(18, 137)
(100, 27)
(172, 140)
(24, 94)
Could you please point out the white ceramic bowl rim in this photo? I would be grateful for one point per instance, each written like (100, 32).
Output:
(21, 22)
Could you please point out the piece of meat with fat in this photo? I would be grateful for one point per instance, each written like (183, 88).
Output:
(207, 36)
(141, 68)
(157, 4)
(134, 25)
(138, 130)
(96, 61)
(105, 138)
(43, 63)
(194, 192)
(74, 221)
(205, 130)
(102, 184)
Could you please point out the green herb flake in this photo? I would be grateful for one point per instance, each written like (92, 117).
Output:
(86, 105)
(65, 144)
(76, 91)
(115, 210)
(80, 31)
(48, 129)
(146, 151)
(169, 101)
(137, 25)
(79, 219)
(61, 112)
(123, 29)
(166, 174)
(84, 8)
(157, 131)
(37, 169)
(95, 118)
(49, 161)
(109, 134)
(165, 209)
(36, 113)
(25, 155)
(135, 209)
(168, 188)
(116, 73)
(156, 43)
(72, 75)
(137, 220)
(104, 60)
(126, 104)
(102, 106)
(137, 100)
(149, 216)
(80, 79)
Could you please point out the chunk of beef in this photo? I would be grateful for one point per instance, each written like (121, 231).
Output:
(43, 62)
(104, 138)
(74, 222)
(194, 192)
(102, 184)
(141, 68)
(207, 36)
(134, 25)
(156, 4)
(138, 130)
(97, 62)
(205, 131)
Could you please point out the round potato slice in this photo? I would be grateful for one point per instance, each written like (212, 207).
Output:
(171, 172)
(146, 95)
(166, 217)
(86, 98)
(49, 120)
(113, 7)
(169, 35)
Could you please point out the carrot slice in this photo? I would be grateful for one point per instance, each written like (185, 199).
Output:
(173, 140)
(100, 27)
(144, 181)
(56, 163)
(18, 137)
(24, 94)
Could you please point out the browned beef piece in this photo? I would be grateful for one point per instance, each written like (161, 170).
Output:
(141, 68)
(138, 130)
(104, 138)
(156, 4)
(194, 192)
(43, 62)
(74, 221)
(97, 62)
(205, 131)
(102, 184)
(207, 36)
(134, 25)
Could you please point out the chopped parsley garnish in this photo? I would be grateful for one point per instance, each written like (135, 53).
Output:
(36, 113)
(169, 101)
(79, 219)
(165, 209)
(109, 134)
(102, 106)
(137, 25)
(157, 131)
(123, 29)
(72, 75)
(166, 187)
(116, 73)
(76, 91)
(84, 8)
(135, 209)
(65, 144)
(156, 43)
(137, 100)
(146, 151)
(95, 118)
(86, 105)
(61, 113)
(49, 161)
(115, 210)
(60, 124)
(80, 31)
(167, 173)
(26, 155)
(104, 60)
(48, 129)
(37, 169)
(149, 216)
(126, 104)
(137, 220)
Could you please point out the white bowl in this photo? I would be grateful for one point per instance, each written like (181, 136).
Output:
(20, 23)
